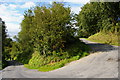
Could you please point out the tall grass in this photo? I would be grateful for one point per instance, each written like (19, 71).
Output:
(55, 65)
(107, 38)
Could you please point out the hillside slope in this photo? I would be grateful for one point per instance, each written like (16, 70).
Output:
(110, 38)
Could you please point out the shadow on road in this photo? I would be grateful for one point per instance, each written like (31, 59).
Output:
(13, 63)
(98, 47)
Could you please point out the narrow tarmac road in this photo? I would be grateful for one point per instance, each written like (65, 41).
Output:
(101, 63)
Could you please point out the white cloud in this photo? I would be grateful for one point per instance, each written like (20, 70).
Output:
(12, 18)
(51, 2)
(13, 29)
(77, 1)
(8, 14)
(28, 5)
(74, 1)
(76, 9)
(19, 0)
(13, 6)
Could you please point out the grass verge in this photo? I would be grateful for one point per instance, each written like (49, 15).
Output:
(106, 38)
(56, 65)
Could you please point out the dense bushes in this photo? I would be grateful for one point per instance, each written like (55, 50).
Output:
(56, 60)
(4, 63)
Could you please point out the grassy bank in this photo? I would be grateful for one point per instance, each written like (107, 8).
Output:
(106, 38)
(56, 65)
(56, 59)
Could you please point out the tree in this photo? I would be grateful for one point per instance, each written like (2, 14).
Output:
(97, 16)
(4, 35)
(6, 44)
(7, 48)
(14, 50)
(45, 29)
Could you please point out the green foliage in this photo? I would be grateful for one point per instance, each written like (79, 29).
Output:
(58, 59)
(98, 16)
(85, 54)
(37, 60)
(77, 48)
(14, 50)
(4, 63)
(6, 45)
(4, 35)
(45, 30)
(53, 66)
(7, 48)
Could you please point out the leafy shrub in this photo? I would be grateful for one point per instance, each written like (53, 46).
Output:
(4, 63)
(85, 54)
(77, 48)
(57, 65)
(56, 60)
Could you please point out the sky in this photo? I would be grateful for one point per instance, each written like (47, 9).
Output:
(11, 11)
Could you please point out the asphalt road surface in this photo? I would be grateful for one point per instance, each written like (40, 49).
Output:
(101, 63)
